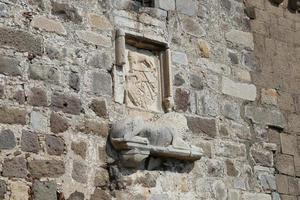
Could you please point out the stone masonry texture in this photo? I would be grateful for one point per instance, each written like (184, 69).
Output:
(236, 77)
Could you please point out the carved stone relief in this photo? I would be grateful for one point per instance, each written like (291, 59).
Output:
(142, 81)
(142, 74)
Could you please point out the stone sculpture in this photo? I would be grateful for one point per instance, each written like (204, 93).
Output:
(135, 139)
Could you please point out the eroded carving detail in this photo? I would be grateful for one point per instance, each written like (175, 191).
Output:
(142, 80)
(136, 139)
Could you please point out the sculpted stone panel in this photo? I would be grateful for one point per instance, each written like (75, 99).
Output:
(142, 81)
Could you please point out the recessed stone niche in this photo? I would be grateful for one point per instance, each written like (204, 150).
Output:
(142, 74)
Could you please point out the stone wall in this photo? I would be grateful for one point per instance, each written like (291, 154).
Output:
(235, 80)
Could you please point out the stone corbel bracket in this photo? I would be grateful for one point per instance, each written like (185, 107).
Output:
(141, 42)
(136, 140)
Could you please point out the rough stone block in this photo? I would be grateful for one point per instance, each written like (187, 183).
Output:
(99, 107)
(231, 110)
(94, 38)
(192, 27)
(66, 11)
(58, 123)
(44, 73)
(285, 164)
(76, 196)
(66, 103)
(165, 4)
(204, 48)
(256, 196)
(269, 96)
(48, 25)
(282, 183)
(19, 190)
(79, 149)
(19, 97)
(202, 125)
(44, 190)
(54, 145)
(94, 127)
(100, 194)
(100, 60)
(37, 97)
(230, 149)
(21, 40)
(297, 165)
(182, 99)
(9, 66)
(261, 156)
(179, 58)
(7, 139)
(288, 144)
(230, 168)
(237, 89)
(288, 197)
(99, 22)
(195, 80)
(46, 168)
(293, 184)
(12, 115)
(102, 83)
(101, 178)
(38, 121)
(260, 115)
(74, 81)
(294, 123)
(15, 168)
(3, 189)
(240, 38)
(30, 142)
(79, 172)
(188, 7)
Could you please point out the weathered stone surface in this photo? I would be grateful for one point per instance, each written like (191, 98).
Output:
(269, 96)
(187, 7)
(179, 80)
(94, 127)
(165, 4)
(100, 194)
(182, 99)
(100, 60)
(231, 111)
(21, 40)
(66, 11)
(99, 107)
(79, 148)
(44, 73)
(54, 145)
(3, 189)
(288, 144)
(38, 121)
(15, 167)
(93, 38)
(101, 83)
(30, 142)
(12, 115)
(179, 58)
(58, 123)
(19, 191)
(285, 164)
(37, 97)
(9, 66)
(44, 190)
(204, 48)
(49, 25)
(230, 149)
(99, 22)
(238, 89)
(19, 96)
(230, 168)
(76, 196)
(282, 183)
(256, 196)
(66, 103)
(7, 139)
(196, 81)
(294, 123)
(148, 180)
(261, 156)
(159, 197)
(79, 172)
(202, 125)
(101, 178)
(74, 81)
(265, 116)
(192, 27)
(46, 168)
(2, 92)
(240, 38)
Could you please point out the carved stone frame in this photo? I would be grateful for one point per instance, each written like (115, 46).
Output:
(140, 42)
